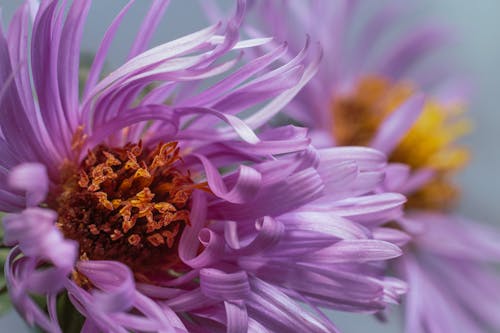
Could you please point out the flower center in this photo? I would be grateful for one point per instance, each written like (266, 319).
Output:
(430, 143)
(127, 204)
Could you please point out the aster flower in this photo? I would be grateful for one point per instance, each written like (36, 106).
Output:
(370, 91)
(157, 202)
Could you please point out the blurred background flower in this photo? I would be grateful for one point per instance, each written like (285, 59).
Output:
(367, 92)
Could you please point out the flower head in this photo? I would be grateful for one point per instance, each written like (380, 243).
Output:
(156, 202)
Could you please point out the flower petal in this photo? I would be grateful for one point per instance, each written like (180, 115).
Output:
(32, 179)
(115, 282)
(224, 286)
(398, 123)
(35, 232)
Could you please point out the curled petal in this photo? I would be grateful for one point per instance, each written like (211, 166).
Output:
(214, 249)
(47, 280)
(189, 242)
(260, 117)
(279, 146)
(115, 282)
(138, 314)
(191, 300)
(153, 57)
(224, 286)
(270, 231)
(275, 198)
(245, 188)
(17, 274)
(245, 72)
(236, 124)
(31, 178)
(37, 236)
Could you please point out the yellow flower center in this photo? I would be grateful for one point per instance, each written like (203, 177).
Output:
(430, 143)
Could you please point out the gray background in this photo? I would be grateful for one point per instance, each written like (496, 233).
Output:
(477, 50)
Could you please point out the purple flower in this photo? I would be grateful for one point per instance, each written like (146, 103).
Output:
(157, 202)
(368, 91)
(454, 284)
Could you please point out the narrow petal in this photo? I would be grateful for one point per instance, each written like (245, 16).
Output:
(225, 286)
(32, 179)
(357, 251)
(38, 237)
(115, 282)
(397, 124)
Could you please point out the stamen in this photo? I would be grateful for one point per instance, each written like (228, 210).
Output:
(128, 204)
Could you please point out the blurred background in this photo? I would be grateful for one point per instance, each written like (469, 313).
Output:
(477, 51)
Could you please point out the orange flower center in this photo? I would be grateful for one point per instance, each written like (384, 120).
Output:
(127, 204)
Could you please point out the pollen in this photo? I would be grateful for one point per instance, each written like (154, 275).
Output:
(128, 204)
(430, 143)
